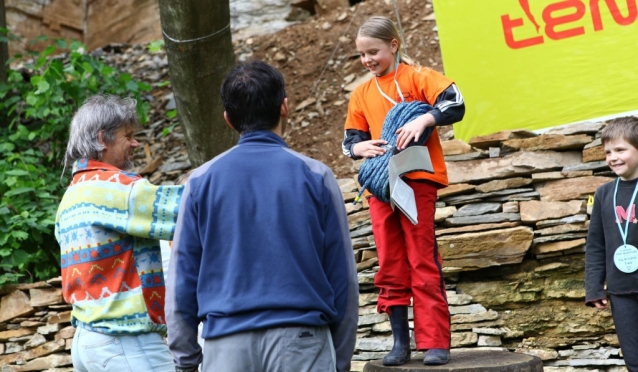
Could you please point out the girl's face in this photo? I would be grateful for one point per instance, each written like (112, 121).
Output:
(622, 158)
(377, 55)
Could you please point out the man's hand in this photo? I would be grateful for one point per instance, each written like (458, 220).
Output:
(369, 149)
(413, 130)
(600, 304)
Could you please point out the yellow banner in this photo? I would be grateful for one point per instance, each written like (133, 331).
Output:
(533, 64)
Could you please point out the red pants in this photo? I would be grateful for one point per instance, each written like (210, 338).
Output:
(410, 266)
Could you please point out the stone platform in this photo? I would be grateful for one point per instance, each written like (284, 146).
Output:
(469, 361)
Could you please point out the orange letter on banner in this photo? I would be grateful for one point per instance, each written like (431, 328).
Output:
(508, 25)
(551, 23)
(615, 12)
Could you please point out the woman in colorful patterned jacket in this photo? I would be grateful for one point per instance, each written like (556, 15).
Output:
(108, 225)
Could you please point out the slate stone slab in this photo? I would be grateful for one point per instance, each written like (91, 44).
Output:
(469, 361)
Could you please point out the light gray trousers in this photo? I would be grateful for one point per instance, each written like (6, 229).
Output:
(293, 349)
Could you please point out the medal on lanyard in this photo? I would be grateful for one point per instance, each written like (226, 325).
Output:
(626, 256)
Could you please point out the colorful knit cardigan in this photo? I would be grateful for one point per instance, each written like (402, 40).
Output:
(108, 226)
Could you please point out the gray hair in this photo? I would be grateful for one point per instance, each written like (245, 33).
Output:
(98, 113)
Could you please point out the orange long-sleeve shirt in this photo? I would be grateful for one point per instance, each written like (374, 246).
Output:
(368, 108)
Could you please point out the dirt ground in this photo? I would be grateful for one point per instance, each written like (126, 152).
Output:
(318, 59)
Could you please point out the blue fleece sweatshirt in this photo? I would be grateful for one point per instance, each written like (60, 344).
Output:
(262, 241)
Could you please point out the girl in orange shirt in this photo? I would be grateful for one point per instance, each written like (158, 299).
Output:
(409, 260)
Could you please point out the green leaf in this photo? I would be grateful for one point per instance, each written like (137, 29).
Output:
(23, 130)
(7, 146)
(47, 223)
(168, 130)
(40, 62)
(17, 172)
(14, 77)
(171, 114)
(70, 70)
(43, 86)
(20, 235)
(76, 46)
(48, 50)
(32, 100)
(18, 191)
(106, 70)
(19, 257)
(132, 86)
(87, 67)
(61, 43)
(57, 67)
(38, 39)
(9, 278)
(155, 46)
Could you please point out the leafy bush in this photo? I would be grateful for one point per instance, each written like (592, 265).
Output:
(36, 106)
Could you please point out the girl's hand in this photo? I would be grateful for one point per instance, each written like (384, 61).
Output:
(369, 149)
(413, 130)
(600, 304)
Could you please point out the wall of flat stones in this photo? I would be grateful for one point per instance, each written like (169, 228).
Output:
(511, 228)
(35, 332)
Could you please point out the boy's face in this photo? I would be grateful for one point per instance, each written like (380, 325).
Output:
(622, 158)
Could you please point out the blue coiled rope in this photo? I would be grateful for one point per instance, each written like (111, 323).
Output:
(373, 174)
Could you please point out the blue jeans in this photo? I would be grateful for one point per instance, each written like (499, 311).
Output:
(98, 352)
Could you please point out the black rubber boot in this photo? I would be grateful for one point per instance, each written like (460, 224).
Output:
(400, 353)
(436, 357)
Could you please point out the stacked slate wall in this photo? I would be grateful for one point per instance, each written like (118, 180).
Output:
(511, 228)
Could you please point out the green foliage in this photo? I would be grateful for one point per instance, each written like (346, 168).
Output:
(36, 106)
(171, 114)
(155, 46)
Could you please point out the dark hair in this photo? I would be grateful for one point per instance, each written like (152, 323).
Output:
(625, 128)
(252, 94)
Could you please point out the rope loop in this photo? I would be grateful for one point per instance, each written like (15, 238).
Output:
(226, 28)
(373, 174)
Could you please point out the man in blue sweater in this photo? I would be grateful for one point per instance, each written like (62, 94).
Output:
(262, 253)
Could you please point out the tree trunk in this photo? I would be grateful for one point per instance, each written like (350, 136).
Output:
(4, 57)
(200, 52)
(4, 47)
